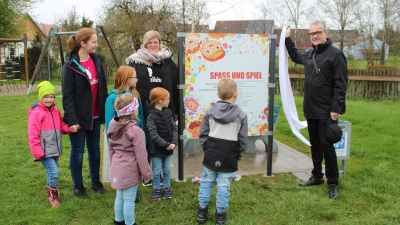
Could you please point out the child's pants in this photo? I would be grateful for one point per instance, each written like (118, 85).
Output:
(52, 172)
(124, 206)
(208, 178)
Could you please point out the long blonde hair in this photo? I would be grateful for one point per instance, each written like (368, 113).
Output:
(124, 73)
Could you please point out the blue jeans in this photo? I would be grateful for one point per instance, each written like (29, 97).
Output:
(124, 205)
(92, 138)
(52, 172)
(208, 178)
(164, 164)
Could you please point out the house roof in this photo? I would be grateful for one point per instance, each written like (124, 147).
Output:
(45, 28)
(198, 28)
(303, 39)
(245, 27)
(27, 29)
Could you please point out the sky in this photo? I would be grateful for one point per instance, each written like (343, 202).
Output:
(49, 11)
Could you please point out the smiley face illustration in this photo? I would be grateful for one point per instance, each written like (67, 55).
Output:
(192, 45)
(212, 51)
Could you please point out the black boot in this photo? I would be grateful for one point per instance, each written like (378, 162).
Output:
(202, 214)
(119, 223)
(221, 218)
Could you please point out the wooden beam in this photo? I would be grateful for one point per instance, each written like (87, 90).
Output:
(353, 77)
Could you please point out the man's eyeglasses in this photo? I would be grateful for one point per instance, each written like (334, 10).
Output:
(318, 33)
(134, 77)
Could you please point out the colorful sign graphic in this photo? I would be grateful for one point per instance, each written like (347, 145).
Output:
(212, 56)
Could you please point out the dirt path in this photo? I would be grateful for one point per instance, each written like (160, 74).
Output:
(17, 90)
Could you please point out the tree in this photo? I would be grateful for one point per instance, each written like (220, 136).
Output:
(342, 14)
(189, 12)
(86, 22)
(366, 18)
(127, 21)
(10, 11)
(291, 12)
(389, 10)
(68, 23)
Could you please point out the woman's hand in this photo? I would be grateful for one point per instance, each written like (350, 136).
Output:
(74, 128)
(171, 147)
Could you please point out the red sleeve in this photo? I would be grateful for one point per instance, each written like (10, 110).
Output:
(64, 127)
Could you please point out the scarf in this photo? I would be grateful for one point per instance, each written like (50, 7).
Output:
(145, 57)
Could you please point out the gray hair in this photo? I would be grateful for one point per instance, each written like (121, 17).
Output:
(316, 22)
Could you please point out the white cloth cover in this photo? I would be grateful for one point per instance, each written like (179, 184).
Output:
(288, 104)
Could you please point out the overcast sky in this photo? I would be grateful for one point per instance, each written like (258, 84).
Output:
(48, 11)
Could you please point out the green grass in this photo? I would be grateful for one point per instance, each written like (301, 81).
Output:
(369, 193)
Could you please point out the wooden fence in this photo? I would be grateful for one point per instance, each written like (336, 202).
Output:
(372, 84)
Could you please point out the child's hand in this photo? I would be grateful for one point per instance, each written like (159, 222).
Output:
(147, 181)
(74, 128)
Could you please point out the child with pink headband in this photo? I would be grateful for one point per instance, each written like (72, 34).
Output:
(128, 157)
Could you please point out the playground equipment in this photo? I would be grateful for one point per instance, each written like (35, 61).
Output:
(55, 33)
(11, 75)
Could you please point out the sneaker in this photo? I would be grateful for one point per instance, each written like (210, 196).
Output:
(202, 214)
(80, 191)
(156, 194)
(161, 180)
(167, 194)
(98, 187)
(333, 191)
(119, 222)
(221, 218)
(312, 181)
(150, 183)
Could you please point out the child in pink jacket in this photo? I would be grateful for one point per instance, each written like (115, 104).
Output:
(128, 157)
(45, 127)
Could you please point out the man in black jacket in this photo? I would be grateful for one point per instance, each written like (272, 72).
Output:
(325, 88)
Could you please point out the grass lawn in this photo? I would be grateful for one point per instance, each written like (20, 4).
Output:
(369, 193)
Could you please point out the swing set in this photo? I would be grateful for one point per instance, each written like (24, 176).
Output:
(54, 32)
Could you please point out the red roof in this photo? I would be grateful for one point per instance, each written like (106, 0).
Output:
(46, 28)
(303, 40)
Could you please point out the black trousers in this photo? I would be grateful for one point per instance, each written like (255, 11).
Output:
(322, 149)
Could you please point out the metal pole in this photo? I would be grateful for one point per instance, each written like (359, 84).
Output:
(181, 117)
(60, 50)
(271, 93)
(25, 41)
(109, 45)
(48, 64)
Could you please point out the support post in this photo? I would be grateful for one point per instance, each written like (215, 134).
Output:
(60, 50)
(25, 41)
(271, 93)
(181, 117)
(109, 46)
(37, 67)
